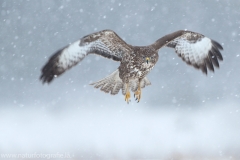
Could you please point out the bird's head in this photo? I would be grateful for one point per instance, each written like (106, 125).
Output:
(149, 59)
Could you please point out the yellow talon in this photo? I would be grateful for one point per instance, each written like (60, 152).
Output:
(138, 93)
(127, 96)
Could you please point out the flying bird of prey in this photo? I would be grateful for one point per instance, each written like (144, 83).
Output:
(135, 61)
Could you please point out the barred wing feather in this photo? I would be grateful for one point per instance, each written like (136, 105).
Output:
(105, 43)
(194, 48)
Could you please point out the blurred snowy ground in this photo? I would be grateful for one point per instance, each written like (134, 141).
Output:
(132, 131)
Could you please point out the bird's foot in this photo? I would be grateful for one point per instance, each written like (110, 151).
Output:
(127, 97)
(137, 94)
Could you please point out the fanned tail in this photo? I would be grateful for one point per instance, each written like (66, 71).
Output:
(110, 84)
(113, 83)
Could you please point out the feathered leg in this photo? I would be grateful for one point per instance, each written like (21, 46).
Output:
(137, 94)
(127, 95)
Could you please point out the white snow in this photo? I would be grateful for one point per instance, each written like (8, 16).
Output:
(123, 132)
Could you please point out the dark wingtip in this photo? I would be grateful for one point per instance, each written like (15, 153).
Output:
(46, 78)
(208, 64)
(49, 70)
(47, 74)
(204, 69)
(217, 45)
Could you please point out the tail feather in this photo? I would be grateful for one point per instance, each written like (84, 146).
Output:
(113, 83)
(116, 88)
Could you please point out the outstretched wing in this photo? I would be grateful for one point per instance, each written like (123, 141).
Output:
(105, 43)
(194, 48)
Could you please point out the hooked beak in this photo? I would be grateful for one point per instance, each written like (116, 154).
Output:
(147, 59)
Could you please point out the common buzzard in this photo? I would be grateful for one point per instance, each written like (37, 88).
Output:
(135, 61)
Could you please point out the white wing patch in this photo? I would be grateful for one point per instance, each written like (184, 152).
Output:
(72, 55)
(194, 52)
(197, 50)
(105, 43)
(63, 60)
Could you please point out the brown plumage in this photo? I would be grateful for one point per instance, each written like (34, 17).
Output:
(135, 61)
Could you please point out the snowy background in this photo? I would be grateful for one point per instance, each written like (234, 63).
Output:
(182, 115)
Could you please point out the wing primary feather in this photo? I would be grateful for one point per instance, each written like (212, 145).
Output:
(216, 52)
(209, 64)
(217, 45)
(213, 59)
(204, 69)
